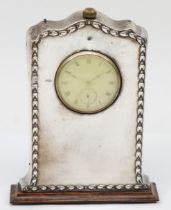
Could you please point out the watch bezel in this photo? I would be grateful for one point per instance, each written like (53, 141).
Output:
(82, 53)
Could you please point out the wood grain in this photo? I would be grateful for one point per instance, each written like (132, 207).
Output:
(18, 197)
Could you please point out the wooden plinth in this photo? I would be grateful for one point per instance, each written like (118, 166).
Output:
(25, 198)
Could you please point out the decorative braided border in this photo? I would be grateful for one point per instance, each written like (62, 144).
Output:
(140, 106)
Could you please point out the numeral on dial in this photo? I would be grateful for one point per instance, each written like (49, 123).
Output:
(108, 93)
(67, 93)
(88, 82)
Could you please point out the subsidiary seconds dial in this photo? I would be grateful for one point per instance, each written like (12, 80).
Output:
(87, 82)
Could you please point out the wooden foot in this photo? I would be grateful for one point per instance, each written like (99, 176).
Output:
(25, 198)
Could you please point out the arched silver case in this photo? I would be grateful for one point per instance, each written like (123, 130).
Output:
(78, 156)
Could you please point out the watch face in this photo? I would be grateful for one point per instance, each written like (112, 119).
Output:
(87, 82)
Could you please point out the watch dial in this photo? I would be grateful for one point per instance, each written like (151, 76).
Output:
(87, 82)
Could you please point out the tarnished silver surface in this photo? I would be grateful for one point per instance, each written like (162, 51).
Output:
(121, 29)
(77, 17)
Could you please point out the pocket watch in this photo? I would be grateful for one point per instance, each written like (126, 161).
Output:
(88, 82)
(87, 94)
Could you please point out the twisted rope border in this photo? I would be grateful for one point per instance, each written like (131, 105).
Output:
(140, 107)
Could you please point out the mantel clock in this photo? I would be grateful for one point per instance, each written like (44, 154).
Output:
(87, 75)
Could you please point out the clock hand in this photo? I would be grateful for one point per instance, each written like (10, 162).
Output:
(72, 75)
(98, 76)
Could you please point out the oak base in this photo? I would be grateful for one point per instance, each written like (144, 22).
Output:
(18, 197)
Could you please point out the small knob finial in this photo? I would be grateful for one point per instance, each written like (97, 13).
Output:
(89, 13)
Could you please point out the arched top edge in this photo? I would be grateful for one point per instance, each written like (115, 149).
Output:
(118, 25)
